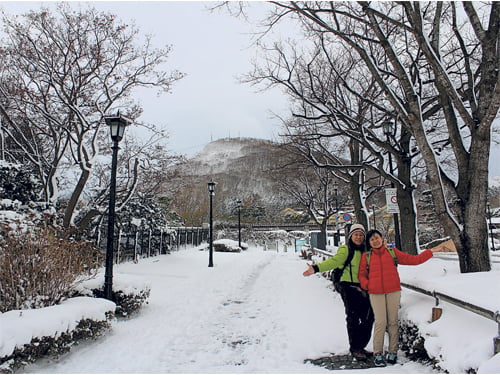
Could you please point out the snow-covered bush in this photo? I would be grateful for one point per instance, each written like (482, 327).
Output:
(143, 211)
(18, 184)
(412, 342)
(20, 208)
(129, 293)
(127, 303)
(51, 331)
(229, 246)
(39, 269)
(53, 346)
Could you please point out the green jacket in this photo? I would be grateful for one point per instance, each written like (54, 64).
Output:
(338, 260)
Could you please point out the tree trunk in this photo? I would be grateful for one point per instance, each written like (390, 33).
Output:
(357, 185)
(474, 252)
(407, 218)
(322, 238)
(358, 201)
(75, 196)
(406, 200)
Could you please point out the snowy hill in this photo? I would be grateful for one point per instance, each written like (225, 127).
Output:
(244, 169)
(235, 155)
(217, 156)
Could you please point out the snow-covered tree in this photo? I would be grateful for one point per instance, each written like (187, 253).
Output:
(436, 64)
(338, 123)
(19, 208)
(61, 73)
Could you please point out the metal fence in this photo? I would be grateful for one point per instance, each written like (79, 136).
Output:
(139, 243)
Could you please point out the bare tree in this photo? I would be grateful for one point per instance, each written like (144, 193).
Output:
(61, 74)
(338, 105)
(316, 190)
(430, 65)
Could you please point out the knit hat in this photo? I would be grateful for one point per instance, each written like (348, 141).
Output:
(354, 228)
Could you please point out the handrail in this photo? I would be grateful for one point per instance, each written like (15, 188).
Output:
(486, 313)
(322, 252)
(495, 316)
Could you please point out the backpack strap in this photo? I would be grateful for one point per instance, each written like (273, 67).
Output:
(348, 260)
(393, 254)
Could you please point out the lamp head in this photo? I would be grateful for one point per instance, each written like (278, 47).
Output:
(117, 125)
(211, 187)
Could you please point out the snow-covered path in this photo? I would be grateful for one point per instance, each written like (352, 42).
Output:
(253, 312)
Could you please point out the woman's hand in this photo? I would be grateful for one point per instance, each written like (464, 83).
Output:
(437, 249)
(309, 271)
(445, 246)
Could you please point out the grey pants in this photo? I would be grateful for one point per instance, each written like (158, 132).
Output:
(385, 308)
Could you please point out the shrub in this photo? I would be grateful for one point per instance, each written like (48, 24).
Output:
(17, 183)
(127, 303)
(40, 268)
(53, 346)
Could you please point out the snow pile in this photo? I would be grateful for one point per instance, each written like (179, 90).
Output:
(229, 245)
(19, 327)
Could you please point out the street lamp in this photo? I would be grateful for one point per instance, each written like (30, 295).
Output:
(389, 129)
(239, 222)
(211, 192)
(117, 125)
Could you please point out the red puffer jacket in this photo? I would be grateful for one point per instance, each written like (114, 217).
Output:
(383, 275)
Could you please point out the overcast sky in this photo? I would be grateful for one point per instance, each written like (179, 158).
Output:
(213, 49)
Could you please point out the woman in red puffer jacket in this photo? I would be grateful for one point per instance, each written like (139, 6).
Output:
(381, 279)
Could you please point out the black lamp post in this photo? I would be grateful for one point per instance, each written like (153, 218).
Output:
(239, 222)
(117, 125)
(374, 219)
(389, 129)
(211, 192)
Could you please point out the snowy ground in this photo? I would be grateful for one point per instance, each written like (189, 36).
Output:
(254, 312)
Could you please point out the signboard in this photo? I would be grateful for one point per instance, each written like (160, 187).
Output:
(347, 217)
(392, 201)
(299, 243)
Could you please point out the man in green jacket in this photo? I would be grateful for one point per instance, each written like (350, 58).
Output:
(359, 314)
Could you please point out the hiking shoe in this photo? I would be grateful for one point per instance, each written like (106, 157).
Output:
(367, 353)
(392, 358)
(359, 355)
(379, 360)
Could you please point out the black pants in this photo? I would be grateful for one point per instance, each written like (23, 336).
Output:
(359, 316)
